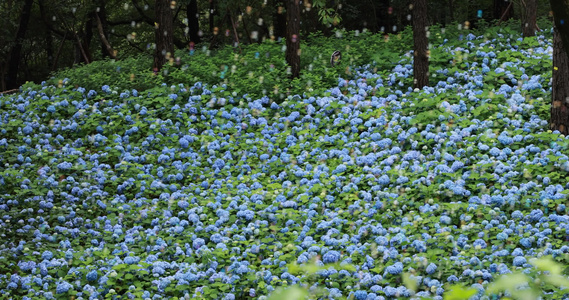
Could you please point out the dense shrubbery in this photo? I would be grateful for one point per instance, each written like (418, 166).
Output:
(189, 189)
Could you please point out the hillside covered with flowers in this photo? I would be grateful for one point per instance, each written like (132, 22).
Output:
(192, 189)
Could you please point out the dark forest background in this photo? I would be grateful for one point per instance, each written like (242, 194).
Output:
(38, 37)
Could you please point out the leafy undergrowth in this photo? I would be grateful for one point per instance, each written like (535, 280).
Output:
(193, 190)
(260, 69)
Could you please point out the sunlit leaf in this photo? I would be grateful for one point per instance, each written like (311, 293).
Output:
(457, 292)
(290, 293)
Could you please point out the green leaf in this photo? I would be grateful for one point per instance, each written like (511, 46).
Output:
(457, 292)
(411, 284)
(510, 283)
(290, 293)
(546, 264)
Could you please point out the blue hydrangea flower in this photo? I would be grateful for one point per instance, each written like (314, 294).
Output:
(92, 275)
(394, 269)
(63, 287)
(519, 261)
(360, 295)
(431, 268)
(331, 257)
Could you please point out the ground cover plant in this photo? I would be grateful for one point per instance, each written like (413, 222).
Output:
(189, 190)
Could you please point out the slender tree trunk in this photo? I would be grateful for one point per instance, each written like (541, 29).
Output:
(107, 49)
(192, 14)
(244, 23)
(48, 38)
(163, 34)
(58, 54)
(81, 51)
(529, 19)
(560, 79)
(2, 76)
(83, 42)
(151, 21)
(293, 36)
(211, 14)
(560, 87)
(451, 10)
(235, 35)
(103, 29)
(279, 21)
(420, 44)
(385, 16)
(16, 52)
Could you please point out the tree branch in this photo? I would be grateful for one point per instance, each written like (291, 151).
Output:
(85, 57)
(142, 14)
(9, 91)
(104, 40)
(234, 31)
(129, 42)
(58, 52)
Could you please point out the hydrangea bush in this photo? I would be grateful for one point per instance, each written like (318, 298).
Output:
(193, 190)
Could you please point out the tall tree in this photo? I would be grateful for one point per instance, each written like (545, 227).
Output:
(293, 36)
(164, 33)
(560, 79)
(420, 44)
(192, 14)
(560, 87)
(16, 52)
(529, 18)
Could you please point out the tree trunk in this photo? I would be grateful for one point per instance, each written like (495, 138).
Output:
(560, 87)
(16, 52)
(82, 54)
(193, 23)
(152, 21)
(163, 34)
(48, 38)
(503, 10)
(560, 9)
(451, 10)
(279, 21)
(2, 76)
(83, 42)
(420, 44)
(529, 19)
(293, 36)
(107, 49)
(103, 29)
(211, 14)
(386, 19)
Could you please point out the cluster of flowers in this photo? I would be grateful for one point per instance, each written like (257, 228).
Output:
(197, 192)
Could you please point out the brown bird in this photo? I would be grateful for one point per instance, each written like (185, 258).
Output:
(335, 59)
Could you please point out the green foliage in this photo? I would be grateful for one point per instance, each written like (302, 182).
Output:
(327, 15)
(262, 67)
(228, 83)
(546, 276)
